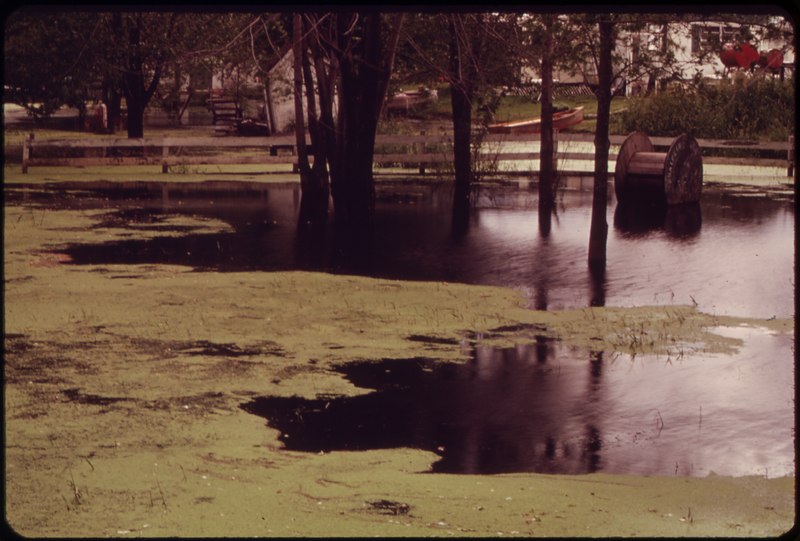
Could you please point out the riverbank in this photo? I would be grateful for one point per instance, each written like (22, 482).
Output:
(124, 387)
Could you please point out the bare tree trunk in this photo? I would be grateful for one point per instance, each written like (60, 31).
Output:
(547, 173)
(461, 102)
(299, 121)
(269, 105)
(364, 71)
(113, 100)
(134, 98)
(137, 95)
(313, 180)
(598, 234)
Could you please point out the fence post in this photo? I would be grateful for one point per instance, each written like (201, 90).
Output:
(555, 149)
(420, 149)
(164, 157)
(26, 152)
(790, 157)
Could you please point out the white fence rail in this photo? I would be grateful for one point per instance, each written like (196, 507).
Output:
(404, 150)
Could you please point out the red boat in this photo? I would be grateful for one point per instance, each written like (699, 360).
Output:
(561, 120)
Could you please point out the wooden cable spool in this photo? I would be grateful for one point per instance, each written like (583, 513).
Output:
(676, 176)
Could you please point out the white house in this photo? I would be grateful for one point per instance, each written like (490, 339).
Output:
(697, 47)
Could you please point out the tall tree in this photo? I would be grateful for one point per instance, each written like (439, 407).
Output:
(314, 181)
(353, 54)
(48, 60)
(56, 57)
(598, 233)
(475, 54)
(547, 173)
(462, 85)
(144, 39)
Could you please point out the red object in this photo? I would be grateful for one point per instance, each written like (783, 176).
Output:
(747, 56)
(728, 56)
(561, 120)
(774, 59)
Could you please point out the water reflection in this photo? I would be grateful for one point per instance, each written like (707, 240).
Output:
(541, 406)
(507, 410)
(656, 256)
(679, 221)
(545, 407)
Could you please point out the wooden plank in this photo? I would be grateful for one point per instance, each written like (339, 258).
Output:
(115, 142)
(413, 160)
(83, 162)
(111, 142)
(170, 161)
(230, 160)
(288, 141)
(512, 137)
(722, 143)
(26, 152)
(764, 162)
(165, 159)
(234, 141)
(411, 139)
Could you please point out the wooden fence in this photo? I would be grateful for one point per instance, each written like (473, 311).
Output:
(417, 151)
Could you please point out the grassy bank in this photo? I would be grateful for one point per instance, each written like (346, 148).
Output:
(123, 410)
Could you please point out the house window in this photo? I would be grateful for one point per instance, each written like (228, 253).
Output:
(712, 37)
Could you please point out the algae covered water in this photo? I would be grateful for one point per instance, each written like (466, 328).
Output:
(542, 407)
(734, 255)
(549, 408)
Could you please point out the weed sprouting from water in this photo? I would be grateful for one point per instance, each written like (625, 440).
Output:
(77, 497)
(659, 422)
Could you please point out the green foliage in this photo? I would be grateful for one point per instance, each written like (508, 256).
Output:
(744, 108)
(43, 52)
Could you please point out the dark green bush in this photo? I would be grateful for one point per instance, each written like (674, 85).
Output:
(744, 108)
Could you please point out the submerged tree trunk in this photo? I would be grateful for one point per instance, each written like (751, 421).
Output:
(313, 180)
(364, 66)
(461, 104)
(547, 173)
(598, 234)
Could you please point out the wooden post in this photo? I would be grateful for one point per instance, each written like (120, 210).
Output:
(295, 165)
(790, 157)
(26, 152)
(555, 150)
(420, 149)
(164, 157)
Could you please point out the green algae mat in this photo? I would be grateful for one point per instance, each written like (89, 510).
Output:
(123, 387)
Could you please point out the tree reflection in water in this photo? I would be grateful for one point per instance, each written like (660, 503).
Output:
(505, 410)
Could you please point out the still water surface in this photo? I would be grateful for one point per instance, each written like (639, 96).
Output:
(549, 408)
(542, 407)
(733, 256)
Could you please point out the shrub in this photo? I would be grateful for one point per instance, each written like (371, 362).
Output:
(743, 108)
